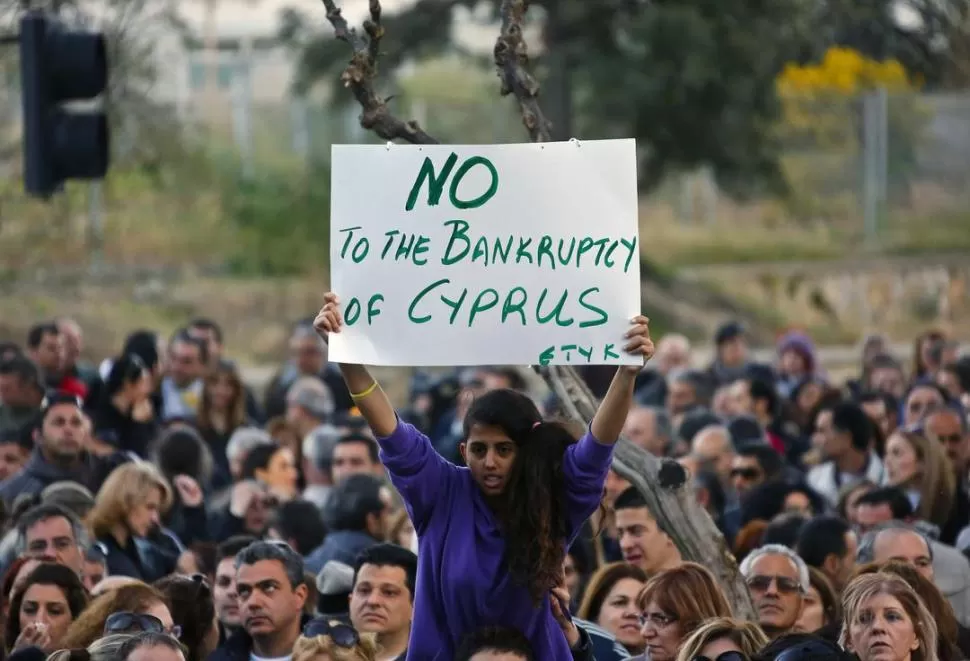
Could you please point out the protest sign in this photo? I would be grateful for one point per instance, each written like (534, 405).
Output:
(485, 254)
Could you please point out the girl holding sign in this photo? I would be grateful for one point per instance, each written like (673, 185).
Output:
(492, 536)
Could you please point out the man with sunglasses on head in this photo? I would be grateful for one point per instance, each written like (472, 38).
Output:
(272, 594)
(778, 581)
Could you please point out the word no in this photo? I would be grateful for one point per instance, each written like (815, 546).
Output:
(436, 183)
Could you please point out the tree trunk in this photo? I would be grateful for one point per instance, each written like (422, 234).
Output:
(666, 488)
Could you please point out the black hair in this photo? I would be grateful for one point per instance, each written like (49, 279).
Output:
(390, 555)
(205, 324)
(144, 344)
(629, 499)
(301, 522)
(258, 459)
(765, 501)
(192, 607)
(232, 546)
(802, 647)
(24, 369)
(126, 369)
(709, 481)
(848, 417)
(821, 537)
(495, 639)
(182, 337)
(896, 498)
(784, 529)
(362, 438)
(532, 511)
(351, 501)
(766, 456)
(181, 450)
(760, 389)
(37, 332)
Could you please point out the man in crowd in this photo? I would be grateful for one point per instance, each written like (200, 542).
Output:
(778, 581)
(382, 600)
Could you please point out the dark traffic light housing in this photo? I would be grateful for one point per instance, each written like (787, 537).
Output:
(59, 65)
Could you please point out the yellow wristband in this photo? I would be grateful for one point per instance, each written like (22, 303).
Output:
(361, 395)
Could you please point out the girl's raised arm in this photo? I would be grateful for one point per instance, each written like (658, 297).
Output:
(611, 414)
(364, 389)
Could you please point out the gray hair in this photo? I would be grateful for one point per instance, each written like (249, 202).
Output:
(46, 511)
(305, 332)
(778, 549)
(107, 648)
(318, 445)
(274, 550)
(867, 545)
(243, 440)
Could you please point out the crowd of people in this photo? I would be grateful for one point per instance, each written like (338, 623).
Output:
(155, 507)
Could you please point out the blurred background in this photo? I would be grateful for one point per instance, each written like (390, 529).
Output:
(802, 163)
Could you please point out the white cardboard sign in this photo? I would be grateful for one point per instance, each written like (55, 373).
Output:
(515, 254)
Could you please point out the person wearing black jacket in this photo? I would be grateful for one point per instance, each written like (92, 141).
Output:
(59, 454)
(124, 417)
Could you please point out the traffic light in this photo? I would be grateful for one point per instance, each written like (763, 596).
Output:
(59, 65)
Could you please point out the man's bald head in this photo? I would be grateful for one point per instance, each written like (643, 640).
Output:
(713, 447)
(902, 545)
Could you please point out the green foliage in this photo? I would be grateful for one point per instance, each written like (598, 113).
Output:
(281, 220)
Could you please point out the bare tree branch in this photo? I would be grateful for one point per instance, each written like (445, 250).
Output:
(360, 74)
(512, 61)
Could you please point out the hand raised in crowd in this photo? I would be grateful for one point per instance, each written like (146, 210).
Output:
(328, 320)
(640, 343)
(243, 494)
(190, 493)
(35, 634)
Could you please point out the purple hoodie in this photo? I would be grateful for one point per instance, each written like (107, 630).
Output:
(463, 582)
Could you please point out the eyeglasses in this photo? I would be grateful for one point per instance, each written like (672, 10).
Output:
(125, 622)
(746, 473)
(725, 656)
(658, 620)
(341, 634)
(784, 584)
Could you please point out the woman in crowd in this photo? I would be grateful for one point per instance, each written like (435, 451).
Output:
(43, 608)
(820, 607)
(527, 489)
(128, 506)
(331, 640)
(125, 418)
(611, 602)
(221, 412)
(193, 612)
(673, 603)
(135, 598)
(885, 620)
(274, 466)
(723, 635)
(918, 464)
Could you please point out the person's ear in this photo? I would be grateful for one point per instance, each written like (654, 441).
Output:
(830, 565)
(463, 449)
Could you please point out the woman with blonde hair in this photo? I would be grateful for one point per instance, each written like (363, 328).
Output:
(673, 604)
(885, 620)
(919, 465)
(721, 636)
(331, 640)
(129, 505)
(610, 601)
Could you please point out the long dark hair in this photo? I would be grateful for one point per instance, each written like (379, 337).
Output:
(532, 512)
